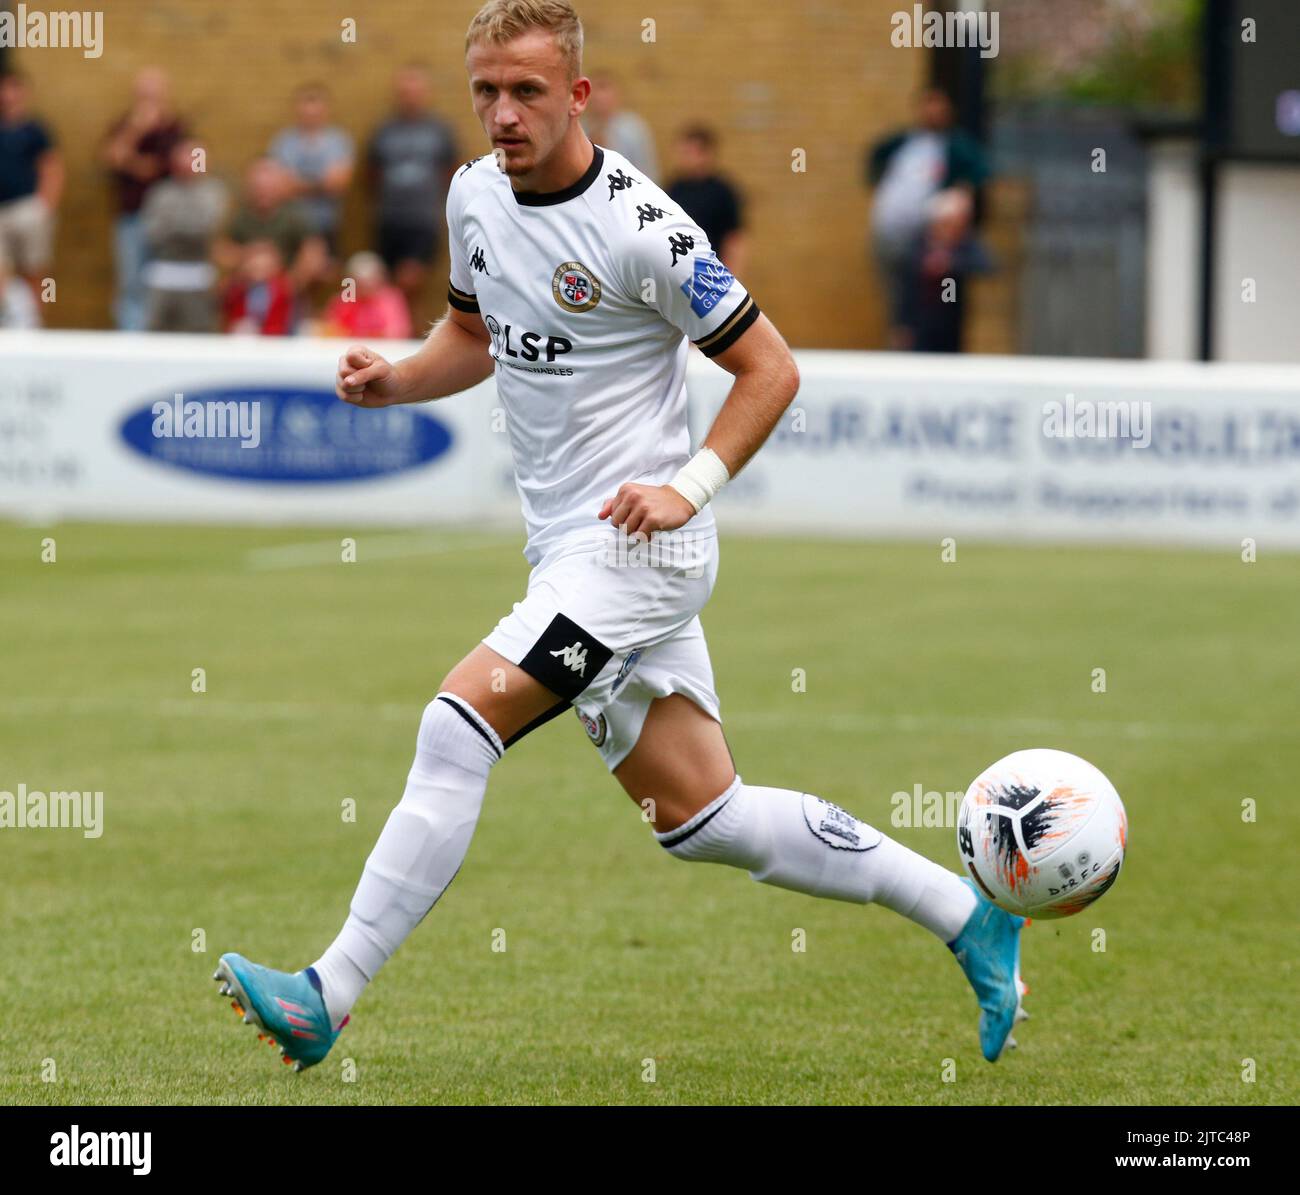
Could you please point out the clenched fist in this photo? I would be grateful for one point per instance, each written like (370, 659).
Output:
(366, 379)
(647, 509)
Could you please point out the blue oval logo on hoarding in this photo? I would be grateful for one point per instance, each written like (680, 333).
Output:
(283, 434)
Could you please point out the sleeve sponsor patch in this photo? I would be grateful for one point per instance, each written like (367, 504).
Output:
(710, 280)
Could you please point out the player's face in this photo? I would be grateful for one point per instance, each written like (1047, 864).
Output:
(524, 98)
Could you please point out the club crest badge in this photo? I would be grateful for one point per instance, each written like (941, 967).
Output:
(596, 727)
(575, 287)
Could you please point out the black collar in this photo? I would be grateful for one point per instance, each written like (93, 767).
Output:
(572, 191)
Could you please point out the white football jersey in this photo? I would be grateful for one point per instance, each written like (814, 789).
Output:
(590, 295)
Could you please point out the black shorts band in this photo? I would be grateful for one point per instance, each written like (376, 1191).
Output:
(566, 659)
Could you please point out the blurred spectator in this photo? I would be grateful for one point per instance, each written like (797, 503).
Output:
(259, 298)
(371, 306)
(942, 258)
(410, 161)
(181, 217)
(906, 169)
(707, 197)
(18, 309)
(31, 185)
(318, 157)
(137, 149)
(609, 124)
(267, 214)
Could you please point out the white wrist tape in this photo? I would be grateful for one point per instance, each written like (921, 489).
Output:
(700, 478)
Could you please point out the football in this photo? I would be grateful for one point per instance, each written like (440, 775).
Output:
(1042, 833)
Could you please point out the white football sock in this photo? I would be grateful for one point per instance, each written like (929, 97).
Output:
(798, 841)
(419, 850)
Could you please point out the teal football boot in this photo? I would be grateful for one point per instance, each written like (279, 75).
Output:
(988, 950)
(289, 1008)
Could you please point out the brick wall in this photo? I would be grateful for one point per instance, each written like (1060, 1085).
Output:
(819, 75)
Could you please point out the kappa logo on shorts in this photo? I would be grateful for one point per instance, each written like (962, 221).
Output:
(575, 657)
(566, 659)
(596, 727)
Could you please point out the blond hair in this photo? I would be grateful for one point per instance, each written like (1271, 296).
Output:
(500, 21)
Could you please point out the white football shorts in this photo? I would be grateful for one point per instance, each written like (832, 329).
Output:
(611, 626)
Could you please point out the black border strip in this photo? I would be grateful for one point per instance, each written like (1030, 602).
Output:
(248, 1136)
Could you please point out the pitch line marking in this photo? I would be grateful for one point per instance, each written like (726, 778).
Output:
(201, 706)
(370, 547)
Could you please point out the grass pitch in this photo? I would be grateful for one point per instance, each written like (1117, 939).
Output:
(224, 827)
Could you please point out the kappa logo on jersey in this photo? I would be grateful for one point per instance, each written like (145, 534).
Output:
(648, 214)
(566, 658)
(575, 658)
(708, 284)
(575, 287)
(478, 262)
(681, 243)
(471, 163)
(596, 727)
(618, 181)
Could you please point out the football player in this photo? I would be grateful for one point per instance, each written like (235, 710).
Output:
(581, 286)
